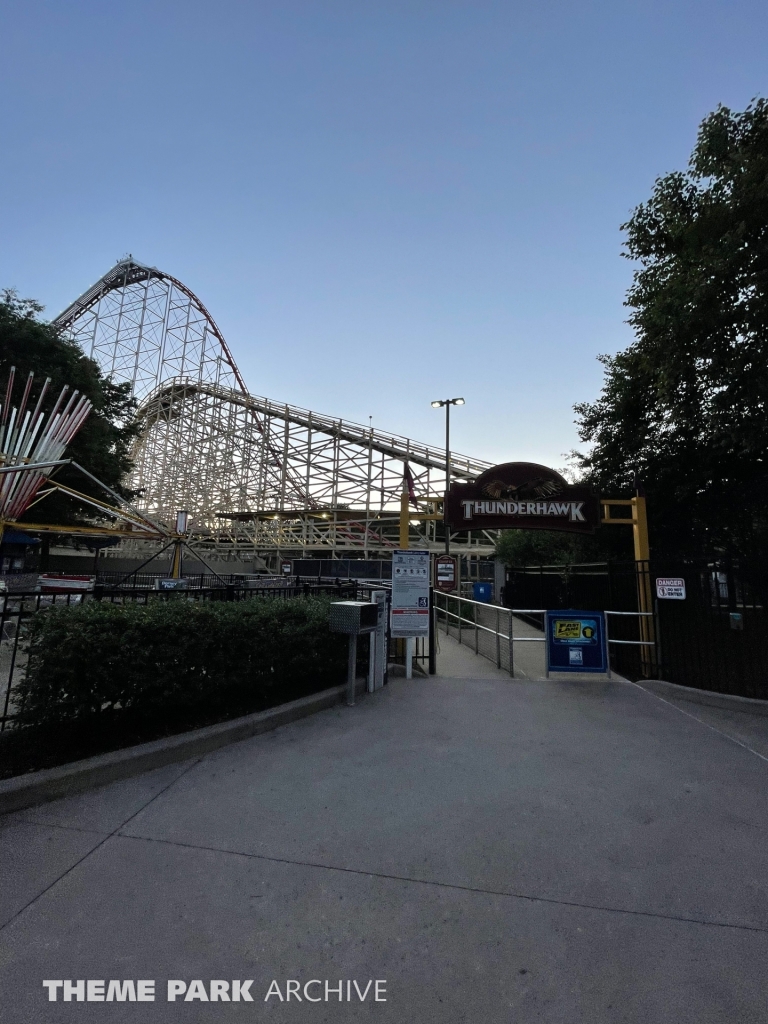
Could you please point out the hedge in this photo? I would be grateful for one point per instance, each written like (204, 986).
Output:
(97, 659)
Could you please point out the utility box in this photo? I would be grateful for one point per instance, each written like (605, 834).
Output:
(353, 617)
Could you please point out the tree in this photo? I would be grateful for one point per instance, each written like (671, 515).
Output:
(537, 547)
(556, 547)
(102, 446)
(684, 406)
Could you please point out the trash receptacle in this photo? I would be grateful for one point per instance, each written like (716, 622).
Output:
(482, 592)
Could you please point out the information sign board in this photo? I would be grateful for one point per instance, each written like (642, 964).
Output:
(410, 593)
(576, 642)
(445, 573)
(670, 588)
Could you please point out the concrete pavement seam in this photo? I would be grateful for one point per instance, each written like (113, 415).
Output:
(448, 885)
(739, 743)
(98, 846)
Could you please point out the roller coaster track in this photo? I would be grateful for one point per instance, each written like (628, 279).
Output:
(207, 445)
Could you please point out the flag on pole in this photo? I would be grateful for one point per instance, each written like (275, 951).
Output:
(408, 483)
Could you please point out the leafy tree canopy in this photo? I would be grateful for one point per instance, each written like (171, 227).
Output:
(685, 405)
(556, 547)
(102, 445)
(537, 547)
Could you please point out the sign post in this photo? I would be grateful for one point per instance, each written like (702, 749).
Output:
(410, 599)
(410, 593)
(576, 642)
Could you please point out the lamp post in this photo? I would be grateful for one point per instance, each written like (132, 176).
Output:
(447, 402)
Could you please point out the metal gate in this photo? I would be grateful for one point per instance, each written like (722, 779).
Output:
(514, 638)
(716, 639)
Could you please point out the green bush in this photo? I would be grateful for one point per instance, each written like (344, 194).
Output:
(98, 659)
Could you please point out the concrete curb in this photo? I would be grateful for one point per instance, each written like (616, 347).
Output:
(747, 705)
(51, 783)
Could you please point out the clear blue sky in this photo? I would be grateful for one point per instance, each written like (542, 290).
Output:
(381, 202)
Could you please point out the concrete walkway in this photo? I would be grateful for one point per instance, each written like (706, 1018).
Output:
(497, 850)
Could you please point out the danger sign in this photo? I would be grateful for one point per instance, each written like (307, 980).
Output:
(670, 588)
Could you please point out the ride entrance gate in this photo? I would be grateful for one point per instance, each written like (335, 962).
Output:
(610, 587)
(522, 495)
(515, 639)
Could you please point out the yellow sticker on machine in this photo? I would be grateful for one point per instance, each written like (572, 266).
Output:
(567, 629)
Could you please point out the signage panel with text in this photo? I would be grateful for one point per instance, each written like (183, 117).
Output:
(446, 572)
(670, 588)
(410, 593)
(522, 496)
(576, 641)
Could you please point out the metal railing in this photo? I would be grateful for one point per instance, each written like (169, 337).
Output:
(504, 641)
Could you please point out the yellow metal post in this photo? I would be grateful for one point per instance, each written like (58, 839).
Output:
(176, 560)
(644, 594)
(639, 524)
(640, 529)
(405, 515)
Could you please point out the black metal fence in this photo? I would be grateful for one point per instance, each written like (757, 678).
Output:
(350, 568)
(18, 609)
(715, 639)
(217, 590)
(144, 581)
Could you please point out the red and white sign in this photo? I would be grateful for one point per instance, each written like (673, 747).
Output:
(50, 584)
(670, 588)
(445, 573)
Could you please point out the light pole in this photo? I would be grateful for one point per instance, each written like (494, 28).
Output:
(447, 402)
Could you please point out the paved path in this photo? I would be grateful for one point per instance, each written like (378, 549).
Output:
(512, 851)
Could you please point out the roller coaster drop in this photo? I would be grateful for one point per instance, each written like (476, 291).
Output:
(255, 475)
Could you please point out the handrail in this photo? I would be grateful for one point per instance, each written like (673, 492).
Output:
(509, 635)
(484, 604)
(606, 612)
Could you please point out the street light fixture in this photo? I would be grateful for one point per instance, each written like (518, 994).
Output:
(447, 402)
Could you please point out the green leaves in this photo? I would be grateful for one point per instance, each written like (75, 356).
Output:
(103, 444)
(168, 654)
(685, 405)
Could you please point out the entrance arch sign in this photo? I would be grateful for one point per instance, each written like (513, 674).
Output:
(527, 496)
(521, 496)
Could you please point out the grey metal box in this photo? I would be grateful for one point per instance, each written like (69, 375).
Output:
(353, 617)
